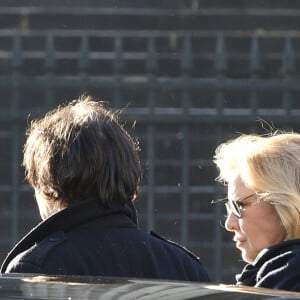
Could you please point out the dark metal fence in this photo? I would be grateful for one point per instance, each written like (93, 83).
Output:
(185, 94)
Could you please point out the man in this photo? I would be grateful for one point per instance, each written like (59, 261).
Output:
(85, 171)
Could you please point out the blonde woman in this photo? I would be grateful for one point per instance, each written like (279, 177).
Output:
(263, 206)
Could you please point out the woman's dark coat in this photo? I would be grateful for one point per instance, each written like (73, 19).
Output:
(277, 267)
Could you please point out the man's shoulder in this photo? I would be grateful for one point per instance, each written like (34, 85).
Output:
(34, 258)
(176, 246)
(179, 255)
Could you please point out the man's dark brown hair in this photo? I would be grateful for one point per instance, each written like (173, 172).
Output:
(79, 151)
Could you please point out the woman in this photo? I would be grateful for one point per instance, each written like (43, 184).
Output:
(263, 206)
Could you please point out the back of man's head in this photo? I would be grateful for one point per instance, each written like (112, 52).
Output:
(80, 151)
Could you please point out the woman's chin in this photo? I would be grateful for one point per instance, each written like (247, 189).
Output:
(246, 257)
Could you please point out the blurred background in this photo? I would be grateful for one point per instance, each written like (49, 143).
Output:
(190, 75)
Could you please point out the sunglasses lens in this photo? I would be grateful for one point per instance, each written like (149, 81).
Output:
(235, 209)
(232, 206)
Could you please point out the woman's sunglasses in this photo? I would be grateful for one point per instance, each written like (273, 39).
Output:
(234, 206)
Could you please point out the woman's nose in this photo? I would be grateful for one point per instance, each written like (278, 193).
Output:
(231, 223)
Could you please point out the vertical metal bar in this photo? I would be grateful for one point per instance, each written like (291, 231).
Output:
(15, 137)
(255, 69)
(15, 180)
(185, 179)
(186, 67)
(288, 66)
(83, 64)
(220, 68)
(151, 66)
(187, 57)
(217, 269)
(118, 66)
(49, 67)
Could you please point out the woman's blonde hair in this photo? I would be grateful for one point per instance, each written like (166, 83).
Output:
(269, 165)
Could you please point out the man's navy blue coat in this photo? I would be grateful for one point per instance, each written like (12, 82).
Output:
(277, 267)
(88, 239)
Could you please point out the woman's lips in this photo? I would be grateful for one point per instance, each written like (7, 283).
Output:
(239, 241)
(239, 244)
